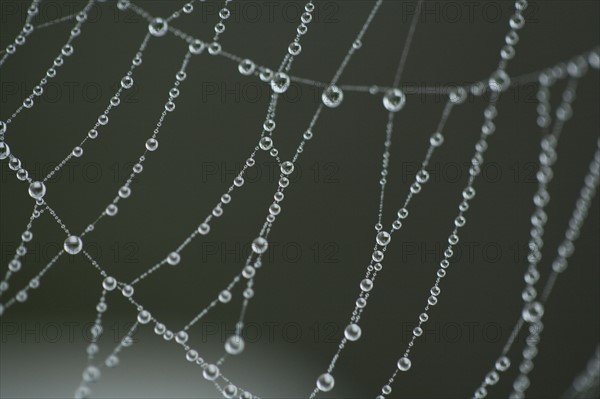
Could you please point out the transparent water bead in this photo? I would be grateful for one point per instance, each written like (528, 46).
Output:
(144, 317)
(127, 82)
(499, 81)
(109, 283)
(211, 372)
(173, 259)
(325, 382)
(91, 374)
(280, 82)
(37, 190)
(260, 245)
(394, 100)
(533, 312)
(225, 296)
(502, 364)
(458, 96)
(235, 345)
(196, 47)
(332, 97)
(230, 391)
(4, 150)
(352, 332)
(158, 27)
(73, 245)
(112, 361)
(127, 291)
(181, 337)
(366, 285)
(266, 143)
(383, 238)
(27, 236)
(77, 152)
(287, 168)
(151, 144)
(246, 67)
(404, 364)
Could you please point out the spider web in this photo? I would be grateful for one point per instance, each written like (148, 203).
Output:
(222, 383)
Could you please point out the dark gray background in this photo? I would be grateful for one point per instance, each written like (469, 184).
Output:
(322, 241)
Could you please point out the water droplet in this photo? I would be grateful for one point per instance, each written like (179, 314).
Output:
(287, 168)
(109, 283)
(211, 372)
(325, 382)
(151, 144)
(366, 285)
(352, 332)
(332, 96)
(246, 67)
(4, 150)
(383, 238)
(394, 100)
(235, 345)
(173, 259)
(158, 27)
(144, 317)
(225, 296)
(499, 81)
(37, 190)
(280, 82)
(260, 245)
(73, 245)
(404, 364)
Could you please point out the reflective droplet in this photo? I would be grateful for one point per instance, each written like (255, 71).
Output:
(533, 312)
(499, 81)
(111, 210)
(127, 291)
(404, 364)
(266, 75)
(225, 296)
(4, 150)
(127, 82)
(91, 374)
(394, 100)
(458, 96)
(73, 245)
(37, 190)
(158, 27)
(325, 382)
(287, 168)
(280, 82)
(383, 238)
(196, 47)
(366, 285)
(260, 245)
(211, 372)
(332, 96)
(246, 67)
(109, 283)
(144, 317)
(204, 228)
(266, 143)
(230, 391)
(214, 48)
(235, 345)
(173, 259)
(112, 361)
(503, 363)
(151, 144)
(181, 337)
(352, 332)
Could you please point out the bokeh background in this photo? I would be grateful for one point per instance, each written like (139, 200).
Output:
(321, 243)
